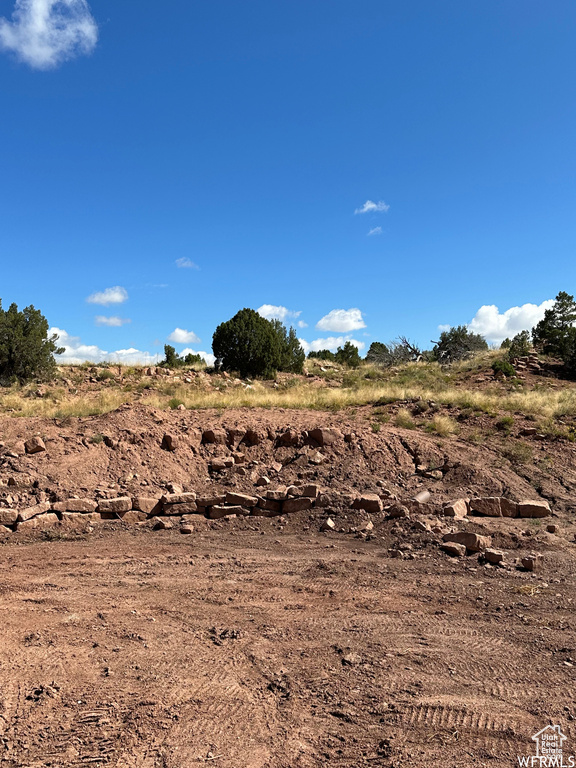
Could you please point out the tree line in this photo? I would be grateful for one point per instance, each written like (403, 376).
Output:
(253, 346)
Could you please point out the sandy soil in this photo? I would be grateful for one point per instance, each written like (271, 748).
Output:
(268, 648)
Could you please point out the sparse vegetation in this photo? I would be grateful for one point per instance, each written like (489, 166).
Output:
(26, 351)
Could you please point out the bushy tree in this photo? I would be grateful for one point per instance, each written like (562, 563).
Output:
(396, 352)
(348, 355)
(323, 354)
(26, 351)
(173, 360)
(555, 334)
(458, 344)
(519, 346)
(254, 346)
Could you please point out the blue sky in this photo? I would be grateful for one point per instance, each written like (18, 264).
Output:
(368, 168)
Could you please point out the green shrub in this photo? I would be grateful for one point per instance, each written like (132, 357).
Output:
(458, 344)
(503, 368)
(348, 355)
(174, 403)
(26, 352)
(519, 346)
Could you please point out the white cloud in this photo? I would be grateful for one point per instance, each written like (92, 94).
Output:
(75, 352)
(115, 295)
(111, 322)
(497, 326)
(444, 327)
(375, 231)
(180, 336)
(302, 324)
(208, 357)
(185, 263)
(272, 312)
(372, 207)
(341, 321)
(332, 343)
(45, 33)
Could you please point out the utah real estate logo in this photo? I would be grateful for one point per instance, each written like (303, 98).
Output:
(549, 750)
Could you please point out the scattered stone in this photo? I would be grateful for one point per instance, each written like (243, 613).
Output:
(508, 508)
(289, 438)
(493, 556)
(528, 432)
(269, 505)
(457, 509)
(217, 465)
(187, 529)
(133, 516)
(40, 522)
(34, 445)
(241, 499)
(120, 504)
(453, 549)
(4, 530)
(351, 659)
(328, 525)
(325, 436)
(179, 498)
(8, 516)
(421, 526)
(161, 524)
(472, 541)
(75, 505)
(34, 511)
(538, 508)
(531, 562)
(311, 491)
(147, 504)
(210, 499)
(296, 505)
(217, 511)
(262, 481)
(252, 437)
(215, 437)
(183, 508)
(369, 502)
(488, 506)
(423, 497)
(398, 511)
(169, 442)
(552, 528)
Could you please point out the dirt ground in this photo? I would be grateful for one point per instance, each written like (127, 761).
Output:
(269, 648)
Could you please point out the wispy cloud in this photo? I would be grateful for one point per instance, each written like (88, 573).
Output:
(372, 207)
(185, 263)
(497, 326)
(180, 336)
(302, 324)
(341, 321)
(272, 312)
(45, 33)
(75, 352)
(331, 342)
(375, 231)
(111, 322)
(115, 295)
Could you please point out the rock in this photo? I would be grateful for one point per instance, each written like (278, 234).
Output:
(8, 516)
(489, 506)
(34, 445)
(262, 481)
(252, 437)
(421, 526)
(323, 500)
(184, 508)
(34, 511)
(351, 659)
(398, 511)
(169, 442)
(182, 407)
(133, 516)
(187, 529)
(369, 502)
(367, 527)
(217, 465)
(241, 499)
(325, 436)
(528, 432)
(316, 458)
(161, 524)
(508, 508)
(210, 499)
(215, 437)
(493, 556)
(457, 509)
(472, 541)
(550, 528)
(453, 549)
(289, 438)
(277, 494)
(538, 508)
(423, 497)
(147, 504)
(4, 530)
(179, 498)
(531, 562)
(311, 491)
(75, 505)
(296, 505)
(216, 512)
(40, 522)
(269, 505)
(119, 504)
(328, 525)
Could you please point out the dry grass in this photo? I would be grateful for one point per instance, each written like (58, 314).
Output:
(443, 426)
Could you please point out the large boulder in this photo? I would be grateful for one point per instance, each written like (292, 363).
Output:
(75, 505)
(29, 512)
(473, 542)
(369, 502)
(457, 509)
(241, 499)
(488, 506)
(296, 505)
(538, 508)
(117, 505)
(325, 435)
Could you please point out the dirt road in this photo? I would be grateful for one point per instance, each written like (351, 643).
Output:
(244, 649)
